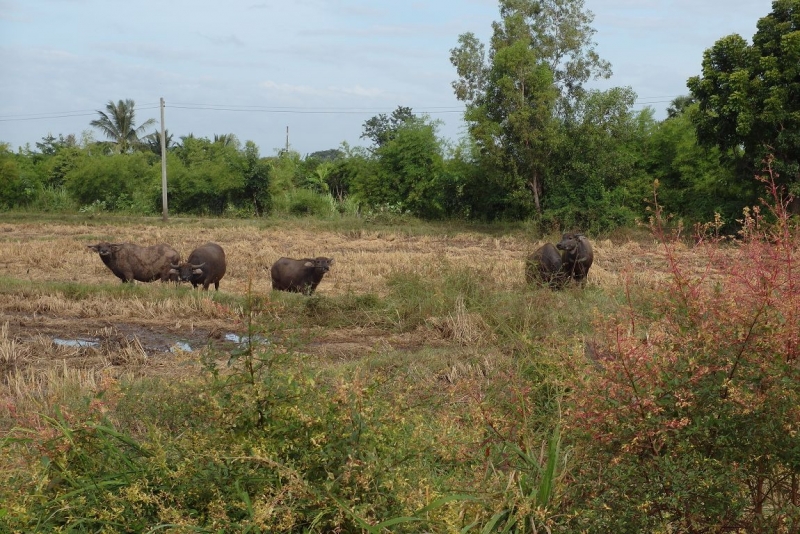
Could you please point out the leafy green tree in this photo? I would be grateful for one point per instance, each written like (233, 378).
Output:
(694, 182)
(256, 179)
(50, 144)
(287, 172)
(56, 157)
(599, 179)
(352, 166)
(210, 176)
(541, 55)
(749, 95)
(57, 166)
(409, 168)
(679, 105)
(382, 128)
(118, 123)
(332, 154)
(469, 197)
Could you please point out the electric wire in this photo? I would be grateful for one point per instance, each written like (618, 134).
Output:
(286, 110)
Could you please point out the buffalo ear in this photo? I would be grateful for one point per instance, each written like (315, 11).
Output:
(308, 264)
(197, 270)
(330, 261)
(96, 248)
(115, 246)
(174, 270)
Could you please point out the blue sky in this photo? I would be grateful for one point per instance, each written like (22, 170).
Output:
(320, 68)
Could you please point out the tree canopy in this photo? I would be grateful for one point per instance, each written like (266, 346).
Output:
(521, 93)
(749, 94)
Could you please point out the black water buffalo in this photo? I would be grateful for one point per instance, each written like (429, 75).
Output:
(206, 265)
(299, 276)
(131, 262)
(578, 256)
(544, 267)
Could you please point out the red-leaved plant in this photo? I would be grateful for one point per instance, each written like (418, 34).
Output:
(688, 421)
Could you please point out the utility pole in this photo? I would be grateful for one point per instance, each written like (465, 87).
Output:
(164, 211)
(287, 139)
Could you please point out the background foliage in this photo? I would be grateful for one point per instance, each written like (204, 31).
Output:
(540, 145)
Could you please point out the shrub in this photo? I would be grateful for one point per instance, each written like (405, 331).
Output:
(689, 422)
(304, 202)
(202, 188)
(111, 179)
(51, 199)
(12, 188)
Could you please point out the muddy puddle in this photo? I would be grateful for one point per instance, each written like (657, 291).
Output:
(153, 340)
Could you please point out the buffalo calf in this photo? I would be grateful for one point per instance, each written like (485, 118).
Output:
(299, 276)
(544, 267)
(206, 265)
(131, 262)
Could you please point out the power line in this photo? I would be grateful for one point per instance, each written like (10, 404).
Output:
(53, 115)
(307, 111)
(57, 114)
(270, 108)
(287, 110)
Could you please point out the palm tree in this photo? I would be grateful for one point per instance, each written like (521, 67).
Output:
(226, 140)
(119, 125)
(153, 141)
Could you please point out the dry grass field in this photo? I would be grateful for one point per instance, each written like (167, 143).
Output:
(423, 366)
(148, 330)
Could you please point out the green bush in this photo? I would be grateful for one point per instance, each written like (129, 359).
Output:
(304, 202)
(112, 179)
(51, 199)
(12, 187)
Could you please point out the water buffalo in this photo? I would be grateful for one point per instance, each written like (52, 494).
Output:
(131, 262)
(577, 257)
(206, 265)
(544, 267)
(299, 276)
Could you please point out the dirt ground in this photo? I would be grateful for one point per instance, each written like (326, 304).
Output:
(99, 332)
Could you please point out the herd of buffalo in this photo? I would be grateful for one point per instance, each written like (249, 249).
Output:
(550, 265)
(205, 265)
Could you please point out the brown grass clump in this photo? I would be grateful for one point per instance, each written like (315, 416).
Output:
(463, 327)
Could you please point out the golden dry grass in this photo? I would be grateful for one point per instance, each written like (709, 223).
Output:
(136, 332)
(363, 258)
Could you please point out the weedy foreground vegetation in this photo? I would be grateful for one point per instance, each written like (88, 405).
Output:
(423, 388)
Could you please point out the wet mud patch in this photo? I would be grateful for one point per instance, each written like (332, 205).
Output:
(71, 333)
(38, 343)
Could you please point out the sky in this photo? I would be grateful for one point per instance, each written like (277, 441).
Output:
(312, 71)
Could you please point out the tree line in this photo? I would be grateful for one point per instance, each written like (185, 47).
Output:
(540, 146)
